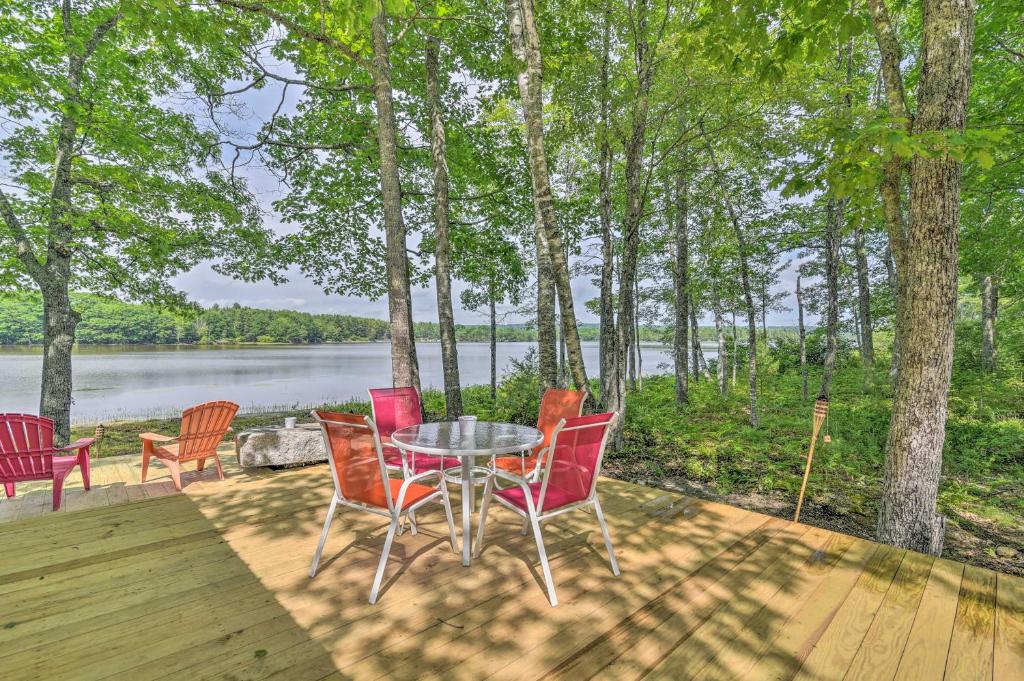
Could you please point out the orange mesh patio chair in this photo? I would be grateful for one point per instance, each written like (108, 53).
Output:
(555, 405)
(203, 427)
(361, 481)
(568, 483)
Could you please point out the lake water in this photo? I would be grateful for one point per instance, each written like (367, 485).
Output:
(151, 381)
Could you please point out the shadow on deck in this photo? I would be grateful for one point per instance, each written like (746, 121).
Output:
(213, 583)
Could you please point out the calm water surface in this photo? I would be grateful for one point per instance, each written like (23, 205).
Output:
(136, 381)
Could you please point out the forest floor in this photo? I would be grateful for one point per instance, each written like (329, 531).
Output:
(708, 449)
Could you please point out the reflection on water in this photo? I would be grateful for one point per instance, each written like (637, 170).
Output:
(128, 381)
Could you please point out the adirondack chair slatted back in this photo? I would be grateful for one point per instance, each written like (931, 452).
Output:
(555, 405)
(26, 446)
(395, 408)
(576, 460)
(203, 428)
(357, 464)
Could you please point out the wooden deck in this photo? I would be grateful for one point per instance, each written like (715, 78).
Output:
(213, 583)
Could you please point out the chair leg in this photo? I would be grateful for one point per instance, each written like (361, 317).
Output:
(145, 462)
(220, 468)
(175, 469)
(412, 523)
(525, 529)
(58, 487)
(323, 537)
(200, 464)
(448, 514)
(607, 537)
(83, 466)
(543, 558)
(383, 559)
(484, 503)
(9, 489)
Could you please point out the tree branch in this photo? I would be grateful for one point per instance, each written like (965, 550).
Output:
(26, 254)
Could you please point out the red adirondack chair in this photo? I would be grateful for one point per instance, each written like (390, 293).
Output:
(203, 427)
(27, 453)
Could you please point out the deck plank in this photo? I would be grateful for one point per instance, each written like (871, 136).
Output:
(212, 583)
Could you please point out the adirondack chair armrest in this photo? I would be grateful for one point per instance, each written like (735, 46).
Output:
(156, 437)
(80, 443)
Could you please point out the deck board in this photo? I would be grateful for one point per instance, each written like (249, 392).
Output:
(144, 583)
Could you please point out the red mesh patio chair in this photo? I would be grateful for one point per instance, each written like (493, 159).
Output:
(361, 481)
(203, 428)
(568, 482)
(27, 453)
(555, 405)
(395, 408)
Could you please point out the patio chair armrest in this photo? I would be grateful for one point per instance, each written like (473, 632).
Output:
(156, 437)
(80, 443)
(422, 476)
(508, 477)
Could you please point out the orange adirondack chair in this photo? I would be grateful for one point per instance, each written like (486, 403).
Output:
(203, 427)
(555, 405)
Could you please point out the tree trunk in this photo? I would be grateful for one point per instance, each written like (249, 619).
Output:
(748, 298)
(442, 272)
(834, 219)
(404, 366)
(547, 334)
(803, 336)
(735, 349)
(764, 311)
(609, 375)
(700, 366)
(494, 347)
(893, 277)
(682, 289)
(913, 464)
(525, 42)
(716, 306)
(636, 337)
(989, 313)
(867, 343)
(59, 322)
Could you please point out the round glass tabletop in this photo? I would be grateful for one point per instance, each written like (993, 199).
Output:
(451, 438)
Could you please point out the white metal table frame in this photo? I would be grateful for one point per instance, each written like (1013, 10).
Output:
(404, 439)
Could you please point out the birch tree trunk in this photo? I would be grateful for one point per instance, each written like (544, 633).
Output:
(716, 306)
(834, 217)
(989, 313)
(803, 336)
(867, 343)
(404, 366)
(494, 345)
(682, 289)
(893, 278)
(547, 335)
(748, 298)
(442, 271)
(735, 349)
(928, 272)
(609, 375)
(525, 42)
(694, 338)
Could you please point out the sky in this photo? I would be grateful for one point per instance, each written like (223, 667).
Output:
(207, 287)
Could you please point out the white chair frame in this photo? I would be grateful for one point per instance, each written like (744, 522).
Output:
(531, 517)
(395, 512)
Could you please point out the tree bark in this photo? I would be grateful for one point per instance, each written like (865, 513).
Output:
(867, 343)
(404, 365)
(682, 289)
(893, 278)
(803, 336)
(442, 271)
(735, 349)
(913, 464)
(610, 396)
(989, 313)
(834, 219)
(494, 346)
(716, 305)
(700, 365)
(636, 338)
(741, 243)
(547, 334)
(525, 42)
(764, 311)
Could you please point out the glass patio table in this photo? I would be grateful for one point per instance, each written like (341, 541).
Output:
(467, 443)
